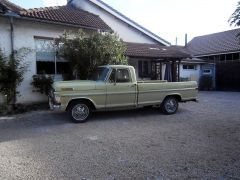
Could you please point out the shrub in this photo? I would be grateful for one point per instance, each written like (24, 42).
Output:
(12, 72)
(42, 83)
(85, 53)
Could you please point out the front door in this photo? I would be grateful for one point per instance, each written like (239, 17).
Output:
(121, 91)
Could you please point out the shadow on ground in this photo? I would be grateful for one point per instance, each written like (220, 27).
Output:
(35, 123)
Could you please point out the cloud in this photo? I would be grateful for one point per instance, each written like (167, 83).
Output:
(54, 2)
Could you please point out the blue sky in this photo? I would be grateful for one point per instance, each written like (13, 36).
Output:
(28, 3)
(38, 3)
(167, 18)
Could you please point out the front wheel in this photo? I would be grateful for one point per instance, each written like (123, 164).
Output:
(170, 105)
(80, 112)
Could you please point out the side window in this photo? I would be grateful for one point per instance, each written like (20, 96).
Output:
(123, 76)
(112, 77)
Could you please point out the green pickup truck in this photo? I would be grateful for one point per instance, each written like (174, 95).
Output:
(115, 87)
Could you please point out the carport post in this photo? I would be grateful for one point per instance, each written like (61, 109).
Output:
(179, 63)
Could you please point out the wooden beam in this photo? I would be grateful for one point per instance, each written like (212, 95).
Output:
(161, 71)
(174, 71)
(179, 63)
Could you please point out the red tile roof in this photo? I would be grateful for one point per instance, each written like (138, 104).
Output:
(68, 15)
(7, 5)
(59, 14)
(155, 51)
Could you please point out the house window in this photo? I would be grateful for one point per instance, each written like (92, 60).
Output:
(47, 60)
(207, 71)
(189, 67)
(143, 69)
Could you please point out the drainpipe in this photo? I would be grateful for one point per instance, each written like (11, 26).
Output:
(11, 16)
(11, 36)
(12, 55)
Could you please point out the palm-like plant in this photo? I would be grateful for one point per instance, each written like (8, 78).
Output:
(235, 17)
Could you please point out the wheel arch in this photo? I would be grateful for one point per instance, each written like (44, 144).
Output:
(87, 100)
(177, 96)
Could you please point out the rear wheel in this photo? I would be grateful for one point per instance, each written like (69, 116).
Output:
(170, 105)
(80, 111)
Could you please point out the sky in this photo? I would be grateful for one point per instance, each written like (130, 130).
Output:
(169, 19)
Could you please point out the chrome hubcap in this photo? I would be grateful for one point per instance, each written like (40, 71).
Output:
(80, 112)
(171, 105)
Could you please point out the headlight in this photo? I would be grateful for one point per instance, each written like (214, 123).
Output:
(57, 98)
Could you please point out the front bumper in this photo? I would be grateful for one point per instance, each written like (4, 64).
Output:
(54, 106)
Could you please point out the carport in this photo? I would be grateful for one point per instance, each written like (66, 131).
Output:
(156, 62)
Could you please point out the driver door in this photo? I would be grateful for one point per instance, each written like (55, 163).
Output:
(121, 91)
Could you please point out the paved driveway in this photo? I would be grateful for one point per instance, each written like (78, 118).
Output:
(201, 141)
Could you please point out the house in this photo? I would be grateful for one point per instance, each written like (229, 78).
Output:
(222, 52)
(152, 56)
(36, 29)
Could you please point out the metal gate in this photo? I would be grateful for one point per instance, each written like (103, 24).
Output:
(228, 76)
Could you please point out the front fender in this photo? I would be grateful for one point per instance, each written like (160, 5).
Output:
(89, 100)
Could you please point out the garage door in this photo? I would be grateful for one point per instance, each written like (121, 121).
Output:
(228, 76)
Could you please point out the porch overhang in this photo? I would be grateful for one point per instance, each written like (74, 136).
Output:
(156, 52)
(159, 55)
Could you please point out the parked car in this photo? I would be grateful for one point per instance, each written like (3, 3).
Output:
(116, 87)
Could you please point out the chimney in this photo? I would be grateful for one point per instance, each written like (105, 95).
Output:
(186, 39)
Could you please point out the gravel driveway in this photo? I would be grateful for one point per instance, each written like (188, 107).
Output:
(201, 141)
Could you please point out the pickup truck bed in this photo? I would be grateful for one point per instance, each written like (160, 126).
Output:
(149, 92)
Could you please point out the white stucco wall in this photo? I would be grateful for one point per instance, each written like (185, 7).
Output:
(24, 33)
(193, 75)
(125, 32)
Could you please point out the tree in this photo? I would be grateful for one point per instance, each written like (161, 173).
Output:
(235, 17)
(85, 53)
(12, 72)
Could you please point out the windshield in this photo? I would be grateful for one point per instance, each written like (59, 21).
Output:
(100, 74)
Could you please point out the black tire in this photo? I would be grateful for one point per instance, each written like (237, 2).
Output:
(80, 111)
(170, 105)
